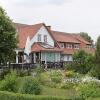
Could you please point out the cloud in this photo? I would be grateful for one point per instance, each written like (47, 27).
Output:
(35, 3)
(63, 15)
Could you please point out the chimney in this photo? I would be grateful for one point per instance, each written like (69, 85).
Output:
(49, 27)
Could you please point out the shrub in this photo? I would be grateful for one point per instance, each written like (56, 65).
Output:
(23, 73)
(67, 86)
(9, 82)
(69, 73)
(56, 76)
(89, 89)
(44, 78)
(56, 79)
(68, 66)
(12, 96)
(82, 62)
(30, 86)
(3, 73)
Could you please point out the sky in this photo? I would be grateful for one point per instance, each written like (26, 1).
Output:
(72, 16)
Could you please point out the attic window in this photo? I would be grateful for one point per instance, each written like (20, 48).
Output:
(39, 38)
(45, 38)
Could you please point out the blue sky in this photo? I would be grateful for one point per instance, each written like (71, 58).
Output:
(63, 15)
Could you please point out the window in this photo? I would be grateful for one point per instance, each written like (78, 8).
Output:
(68, 57)
(39, 38)
(76, 46)
(68, 45)
(88, 46)
(62, 45)
(45, 38)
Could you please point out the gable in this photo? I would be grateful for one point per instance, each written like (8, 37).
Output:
(24, 32)
(43, 31)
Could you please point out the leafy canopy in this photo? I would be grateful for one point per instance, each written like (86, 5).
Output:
(8, 39)
(82, 62)
(86, 37)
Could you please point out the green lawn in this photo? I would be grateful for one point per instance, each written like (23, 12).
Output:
(58, 92)
(93, 99)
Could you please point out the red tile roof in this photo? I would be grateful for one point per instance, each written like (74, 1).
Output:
(64, 37)
(37, 48)
(78, 37)
(30, 30)
(19, 25)
(24, 32)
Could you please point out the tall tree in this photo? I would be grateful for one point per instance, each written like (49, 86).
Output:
(96, 69)
(86, 36)
(8, 39)
(98, 51)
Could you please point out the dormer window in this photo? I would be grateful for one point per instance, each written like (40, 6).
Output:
(39, 38)
(45, 38)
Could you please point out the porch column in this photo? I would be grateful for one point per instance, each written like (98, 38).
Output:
(34, 58)
(16, 56)
(41, 57)
(45, 59)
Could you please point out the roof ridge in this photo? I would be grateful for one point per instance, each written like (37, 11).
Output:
(66, 33)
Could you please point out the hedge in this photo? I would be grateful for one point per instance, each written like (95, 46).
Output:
(16, 96)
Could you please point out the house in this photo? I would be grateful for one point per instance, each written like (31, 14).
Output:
(38, 43)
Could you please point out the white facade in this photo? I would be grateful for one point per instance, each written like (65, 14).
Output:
(27, 50)
(43, 31)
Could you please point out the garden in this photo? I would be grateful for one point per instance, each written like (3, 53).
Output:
(48, 85)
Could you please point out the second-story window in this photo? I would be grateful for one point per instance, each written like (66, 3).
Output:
(76, 46)
(88, 46)
(69, 46)
(45, 38)
(39, 38)
(62, 45)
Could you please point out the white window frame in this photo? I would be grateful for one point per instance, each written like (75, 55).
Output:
(39, 38)
(69, 46)
(45, 38)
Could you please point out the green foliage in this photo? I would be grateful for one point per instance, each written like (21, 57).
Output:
(39, 69)
(8, 40)
(44, 78)
(95, 71)
(69, 73)
(30, 86)
(68, 66)
(89, 89)
(12, 96)
(56, 76)
(3, 73)
(98, 51)
(23, 73)
(83, 62)
(9, 82)
(68, 85)
(86, 37)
